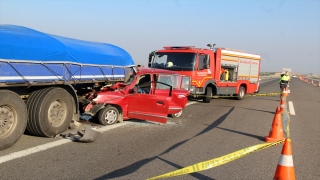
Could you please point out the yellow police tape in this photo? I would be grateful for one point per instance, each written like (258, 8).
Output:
(217, 161)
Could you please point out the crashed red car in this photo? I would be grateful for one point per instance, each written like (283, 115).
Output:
(148, 94)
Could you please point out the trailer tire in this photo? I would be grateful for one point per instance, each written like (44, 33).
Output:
(50, 112)
(241, 93)
(208, 95)
(108, 115)
(176, 115)
(13, 118)
(33, 99)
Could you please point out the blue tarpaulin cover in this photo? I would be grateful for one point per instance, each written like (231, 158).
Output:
(22, 43)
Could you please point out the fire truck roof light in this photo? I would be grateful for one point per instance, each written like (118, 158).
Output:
(179, 47)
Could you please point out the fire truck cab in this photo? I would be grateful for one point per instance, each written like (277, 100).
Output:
(213, 71)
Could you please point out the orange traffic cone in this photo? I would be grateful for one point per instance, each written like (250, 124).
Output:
(319, 84)
(285, 169)
(311, 81)
(276, 132)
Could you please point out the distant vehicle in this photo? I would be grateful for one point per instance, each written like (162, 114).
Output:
(149, 94)
(241, 69)
(294, 76)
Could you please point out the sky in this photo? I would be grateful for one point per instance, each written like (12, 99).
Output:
(286, 33)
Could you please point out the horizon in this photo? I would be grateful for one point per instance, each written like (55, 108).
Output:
(284, 33)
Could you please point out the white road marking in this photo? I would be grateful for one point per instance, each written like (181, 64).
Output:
(32, 150)
(46, 146)
(291, 108)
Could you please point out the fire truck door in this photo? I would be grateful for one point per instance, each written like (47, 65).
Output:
(203, 69)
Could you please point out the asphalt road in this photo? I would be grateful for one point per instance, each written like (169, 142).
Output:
(141, 150)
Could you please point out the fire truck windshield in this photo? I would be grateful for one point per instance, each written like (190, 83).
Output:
(174, 61)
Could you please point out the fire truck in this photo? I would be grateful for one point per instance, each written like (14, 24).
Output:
(213, 71)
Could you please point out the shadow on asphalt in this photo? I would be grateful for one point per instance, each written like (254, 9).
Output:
(135, 166)
(242, 133)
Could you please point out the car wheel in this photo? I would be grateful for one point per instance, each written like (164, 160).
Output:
(108, 115)
(176, 115)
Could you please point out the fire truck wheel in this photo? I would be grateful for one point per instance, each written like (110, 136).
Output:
(176, 115)
(242, 92)
(13, 118)
(108, 115)
(208, 95)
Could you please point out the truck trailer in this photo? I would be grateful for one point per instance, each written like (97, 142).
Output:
(213, 71)
(41, 75)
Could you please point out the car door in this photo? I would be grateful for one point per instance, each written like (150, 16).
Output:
(149, 107)
(179, 93)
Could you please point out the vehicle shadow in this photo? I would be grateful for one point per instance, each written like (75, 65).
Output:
(137, 165)
(242, 133)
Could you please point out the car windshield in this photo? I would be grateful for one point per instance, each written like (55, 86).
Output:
(174, 61)
(130, 80)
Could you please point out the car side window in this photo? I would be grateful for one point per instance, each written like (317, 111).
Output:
(164, 78)
(144, 83)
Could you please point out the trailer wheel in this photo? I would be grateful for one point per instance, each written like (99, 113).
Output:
(176, 115)
(32, 99)
(50, 111)
(13, 118)
(208, 95)
(241, 93)
(108, 115)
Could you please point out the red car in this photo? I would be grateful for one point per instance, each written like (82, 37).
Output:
(148, 94)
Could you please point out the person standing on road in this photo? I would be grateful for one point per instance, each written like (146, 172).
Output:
(284, 80)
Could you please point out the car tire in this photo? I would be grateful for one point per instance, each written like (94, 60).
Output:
(176, 115)
(108, 115)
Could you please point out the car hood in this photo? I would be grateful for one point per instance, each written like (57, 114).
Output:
(109, 96)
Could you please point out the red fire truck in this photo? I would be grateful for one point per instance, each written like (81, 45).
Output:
(213, 71)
